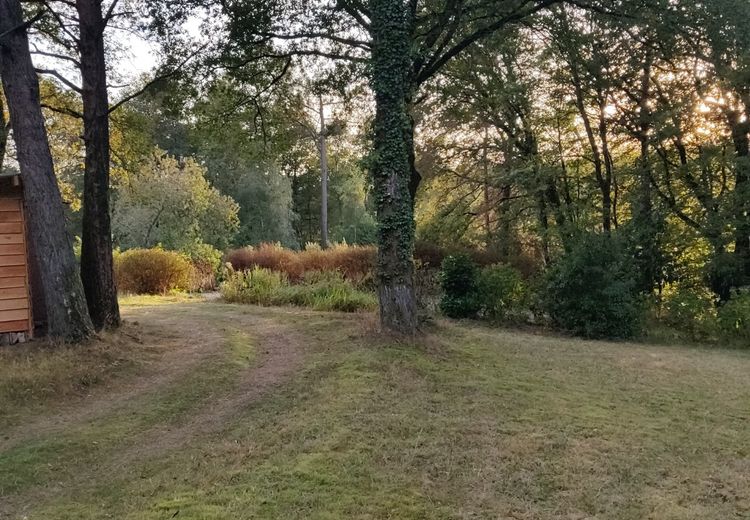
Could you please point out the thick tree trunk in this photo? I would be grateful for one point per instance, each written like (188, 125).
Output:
(67, 316)
(97, 271)
(392, 164)
(323, 149)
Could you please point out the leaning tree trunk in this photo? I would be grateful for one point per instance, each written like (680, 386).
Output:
(67, 316)
(97, 271)
(392, 164)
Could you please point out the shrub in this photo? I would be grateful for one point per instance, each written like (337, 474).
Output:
(206, 261)
(501, 291)
(268, 256)
(325, 291)
(734, 318)
(258, 286)
(690, 310)
(591, 291)
(152, 271)
(458, 279)
(355, 263)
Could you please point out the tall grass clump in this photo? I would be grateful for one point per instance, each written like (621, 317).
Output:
(324, 291)
(259, 286)
(327, 291)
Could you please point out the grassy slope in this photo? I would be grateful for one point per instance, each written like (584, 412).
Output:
(471, 423)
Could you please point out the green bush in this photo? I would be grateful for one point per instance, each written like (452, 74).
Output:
(591, 291)
(327, 291)
(734, 318)
(324, 291)
(152, 271)
(501, 291)
(206, 261)
(691, 311)
(458, 280)
(257, 286)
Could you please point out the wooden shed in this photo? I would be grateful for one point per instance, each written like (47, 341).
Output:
(17, 267)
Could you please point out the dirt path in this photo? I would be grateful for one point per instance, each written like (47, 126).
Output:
(160, 332)
(189, 338)
(280, 355)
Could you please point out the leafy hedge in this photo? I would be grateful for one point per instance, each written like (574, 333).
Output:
(591, 290)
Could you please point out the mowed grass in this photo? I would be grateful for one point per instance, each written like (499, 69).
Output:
(469, 422)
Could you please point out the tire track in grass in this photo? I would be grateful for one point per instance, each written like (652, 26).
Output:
(279, 354)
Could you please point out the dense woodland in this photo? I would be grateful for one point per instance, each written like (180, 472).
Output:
(599, 150)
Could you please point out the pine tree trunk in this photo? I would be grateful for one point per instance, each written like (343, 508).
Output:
(4, 129)
(323, 147)
(97, 270)
(67, 315)
(392, 164)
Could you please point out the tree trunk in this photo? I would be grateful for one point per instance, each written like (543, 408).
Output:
(323, 148)
(67, 316)
(742, 198)
(604, 186)
(392, 164)
(4, 130)
(97, 270)
(643, 214)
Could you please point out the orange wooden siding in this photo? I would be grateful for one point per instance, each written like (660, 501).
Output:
(15, 303)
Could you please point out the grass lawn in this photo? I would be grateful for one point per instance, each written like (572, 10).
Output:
(201, 410)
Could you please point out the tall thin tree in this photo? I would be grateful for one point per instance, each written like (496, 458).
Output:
(97, 270)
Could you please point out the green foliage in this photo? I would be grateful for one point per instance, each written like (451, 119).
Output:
(458, 279)
(327, 291)
(257, 286)
(152, 271)
(734, 318)
(324, 291)
(690, 310)
(206, 261)
(591, 292)
(501, 292)
(266, 215)
(170, 202)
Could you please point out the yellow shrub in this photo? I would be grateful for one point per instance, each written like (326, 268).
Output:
(152, 271)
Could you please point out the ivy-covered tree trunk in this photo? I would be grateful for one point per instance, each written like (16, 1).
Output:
(97, 270)
(392, 163)
(67, 315)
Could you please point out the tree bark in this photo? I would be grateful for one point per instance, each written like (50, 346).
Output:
(67, 315)
(605, 184)
(4, 130)
(323, 148)
(643, 214)
(97, 270)
(392, 164)
(742, 198)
